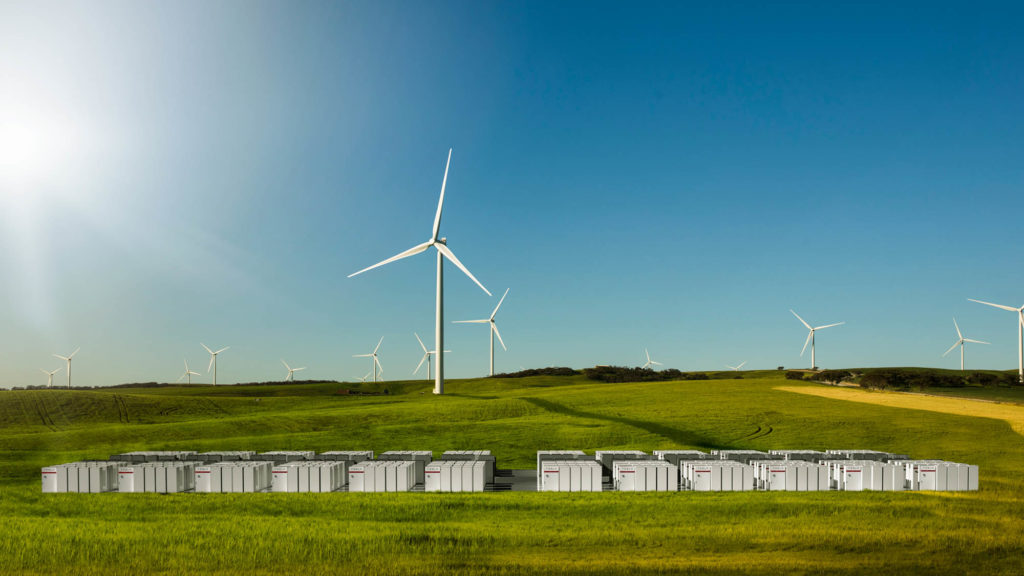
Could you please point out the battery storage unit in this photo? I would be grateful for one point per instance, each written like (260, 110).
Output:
(645, 476)
(570, 476)
(86, 476)
(742, 456)
(805, 455)
(382, 476)
(560, 455)
(419, 458)
(475, 456)
(790, 475)
(675, 456)
(715, 476)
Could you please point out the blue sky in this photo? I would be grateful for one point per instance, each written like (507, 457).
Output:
(674, 176)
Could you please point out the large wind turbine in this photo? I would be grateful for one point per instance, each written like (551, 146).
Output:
(373, 355)
(188, 374)
(493, 330)
(68, 359)
(649, 361)
(213, 361)
(426, 356)
(1020, 334)
(442, 250)
(736, 368)
(49, 384)
(291, 370)
(810, 337)
(960, 342)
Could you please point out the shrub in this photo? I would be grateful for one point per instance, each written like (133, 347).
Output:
(834, 376)
(793, 375)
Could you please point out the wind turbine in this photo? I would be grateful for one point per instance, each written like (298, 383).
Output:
(188, 374)
(68, 359)
(50, 374)
(493, 331)
(291, 370)
(426, 356)
(373, 355)
(213, 361)
(960, 342)
(810, 337)
(1020, 334)
(649, 361)
(736, 368)
(440, 244)
(363, 379)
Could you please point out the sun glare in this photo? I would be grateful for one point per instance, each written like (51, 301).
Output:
(33, 148)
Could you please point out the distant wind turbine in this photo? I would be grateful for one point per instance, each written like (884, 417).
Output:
(960, 342)
(68, 359)
(376, 362)
(49, 384)
(493, 328)
(426, 356)
(440, 244)
(188, 374)
(810, 337)
(736, 368)
(649, 361)
(213, 360)
(363, 379)
(291, 370)
(1020, 334)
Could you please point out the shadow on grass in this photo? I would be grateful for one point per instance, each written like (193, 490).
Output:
(681, 437)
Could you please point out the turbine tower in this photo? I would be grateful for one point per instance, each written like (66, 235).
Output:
(960, 342)
(736, 368)
(291, 370)
(188, 374)
(810, 337)
(493, 330)
(426, 356)
(440, 244)
(1020, 334)
(373, 355)
(49, 384)
(68, 359)
(649, 361)
(213, 361)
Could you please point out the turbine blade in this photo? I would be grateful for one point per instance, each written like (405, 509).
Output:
(410, 252)
(800, 319)
(481, 321)
(422, 360)
(741, 364)
(806, 342)
(73, 353)
(361, 355)
(222, 349)
(731, 367)
(182, 377)
(421, 343)
(498, 334)
(994, 305)
(656, 363)
(285, 364)
(207, 348)
(44, 371)
(210, 365)
(378, 345)
(499, 304)
(377, 362)
(193, 373)
(440, 202)
(451, 256)
(976, 341)
(61, 357)
(961, 336)
(953, 347)
(297, 369)
(829, 325)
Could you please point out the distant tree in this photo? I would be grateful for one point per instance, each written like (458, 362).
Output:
(793, 375)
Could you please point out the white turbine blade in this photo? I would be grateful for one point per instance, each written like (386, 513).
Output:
(61, 357)
(422, 360)
(378, 345)
(656, 363)
(73, 353)
(182, 377)
(210, 365)
(953, 347)
(976, 341)
(800, 319)
(297, 369)
(207, 348)
(410, 252)
(222, 349)
(285, 364)
(440, 202)
(498, 334)
(377, 362)
(806, 342)
(648, 354)
(499, 304)
(481, 321)
(451, 256)
(830, 325)
(44, 371)
(361, 355)
(731, 367)
(421, 344)
(959, 335)
(193, 373)
(741, 364)
(995, 305)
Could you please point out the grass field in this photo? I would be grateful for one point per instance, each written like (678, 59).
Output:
(505, 533)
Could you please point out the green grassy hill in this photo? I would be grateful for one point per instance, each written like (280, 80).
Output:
(501, 533)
